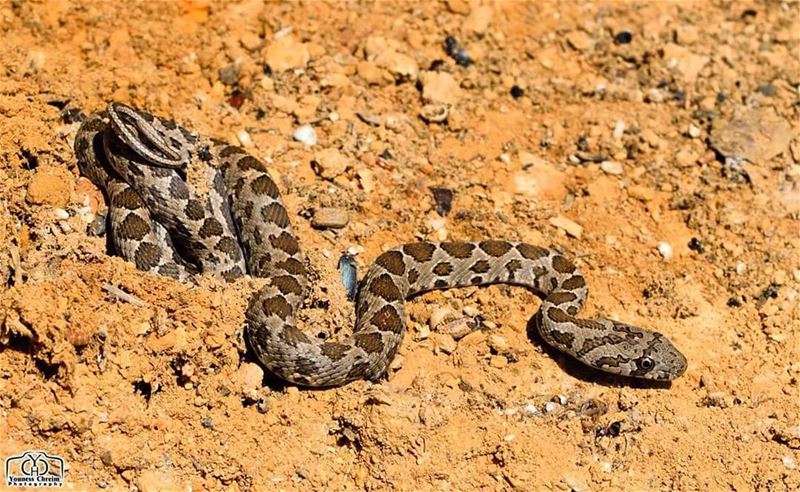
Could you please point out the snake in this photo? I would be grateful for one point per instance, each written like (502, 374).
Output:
(181, 204)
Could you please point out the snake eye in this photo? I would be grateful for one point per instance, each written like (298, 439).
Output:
(645, 363)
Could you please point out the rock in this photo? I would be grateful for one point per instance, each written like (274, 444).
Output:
(445, 343)
(434, 113)
(229, 74)
(329, 163)
(440, 87)
(335, 80)
(498, 361)
(579, 40)
(458, 6)
(571, 228)
(641, 193)
(330, 218)
(439, 316)
(249, 377)
(478, 20)
(575, 483)
(498, 344)
(619, 130)
(651, 138)
(655, 95)
(286, 53)
(50, 186)
(457, 328)
(666, 250)
(693, 131)
(400, 65)
(305, 135)
(686, 34)
(684, 61)
(611, 167)
(250, 41)
(757, 135)
(686, 158)
(244, 138)
(366, 178)
(372, 74)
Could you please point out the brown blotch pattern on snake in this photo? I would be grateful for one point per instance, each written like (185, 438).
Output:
(421, 252)
(495, 248)
(458, 250)
(385, 288)
(392, 261)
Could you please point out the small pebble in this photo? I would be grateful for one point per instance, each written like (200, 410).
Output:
(619, 130)
(655, 95)
(611, 167)
(457, 328)
(61, 214)
(530, 410)
(440, 315)
(249, 377)
(693, 131)
(330, 218)
(445, 343)
(434, 113)
(244, 138)
(498, 344)
(789, 462)
(455, 51)
(571, 228)
(472, 311)
(665, 249)
(498, 361)
(229, 74)
(696, 245)
(444, 200)
(623, 37)
(549, 407)
(306, 135)
(517, 92)
(505, 158)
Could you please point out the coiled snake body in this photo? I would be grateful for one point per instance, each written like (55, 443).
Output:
(228, 218)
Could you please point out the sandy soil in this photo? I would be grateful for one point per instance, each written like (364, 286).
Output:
(606, 149)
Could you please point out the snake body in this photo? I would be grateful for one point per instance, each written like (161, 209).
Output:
(182, 204)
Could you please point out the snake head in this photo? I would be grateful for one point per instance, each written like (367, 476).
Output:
(642, 354)
(161, 142)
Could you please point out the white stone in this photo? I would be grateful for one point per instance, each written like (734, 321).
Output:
(305, 135)
(244, 138)
(665, 249)
(611, 167)
(619, 130)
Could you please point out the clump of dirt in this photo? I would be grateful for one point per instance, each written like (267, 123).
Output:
(617, 132)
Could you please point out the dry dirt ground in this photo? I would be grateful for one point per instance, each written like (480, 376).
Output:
(656, 143)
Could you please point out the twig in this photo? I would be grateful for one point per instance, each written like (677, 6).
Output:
(121, 295)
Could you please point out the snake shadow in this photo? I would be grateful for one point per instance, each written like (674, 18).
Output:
(583, 372)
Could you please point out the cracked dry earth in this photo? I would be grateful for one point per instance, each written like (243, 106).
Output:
(655, 143)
